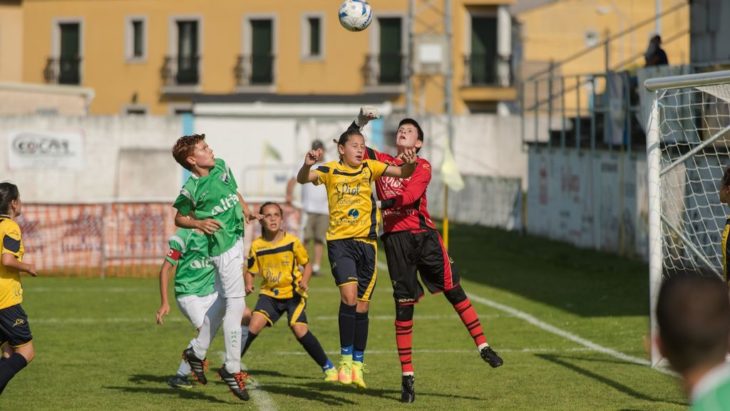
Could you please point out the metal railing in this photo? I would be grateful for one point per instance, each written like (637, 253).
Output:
(180, 70)
(64, 70)
(254, 69)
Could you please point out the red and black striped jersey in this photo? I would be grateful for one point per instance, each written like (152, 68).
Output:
(404, 204)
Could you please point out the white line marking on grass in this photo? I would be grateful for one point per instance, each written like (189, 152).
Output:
(557, 331)
(442, 351)
(260, 397)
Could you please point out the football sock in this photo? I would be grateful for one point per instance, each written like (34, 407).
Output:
(249, 341)
(210, 326)
(314, 349)
(347, 326)
(232, 333)
(184, 369)
(361, 335)
(404, 337)
(471, 321)
(9, 368)
(244, 335)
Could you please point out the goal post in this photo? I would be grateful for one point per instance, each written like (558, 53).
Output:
(688, 149)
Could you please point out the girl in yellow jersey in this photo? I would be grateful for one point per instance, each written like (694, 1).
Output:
(351, 238)
(14, 328)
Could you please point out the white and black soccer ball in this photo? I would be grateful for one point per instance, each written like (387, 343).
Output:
(355, 15)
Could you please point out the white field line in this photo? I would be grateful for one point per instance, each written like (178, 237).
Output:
(442, 351)
(555, 330)
(261, 398)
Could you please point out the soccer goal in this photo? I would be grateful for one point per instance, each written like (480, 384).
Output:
(688, 149)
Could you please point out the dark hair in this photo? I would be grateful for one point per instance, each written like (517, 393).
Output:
(415, 124)
(726, 178)
(8, 193)
(268, 203)
(317, 144)
(692, 312)
(184, 148)
(345, 137)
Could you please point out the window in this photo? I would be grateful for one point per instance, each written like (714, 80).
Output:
(390, 59)
(134, 110)
(136, 38)
(187, 52)
(262, 57)
(314, 25)
(483, 59)
(70, 55)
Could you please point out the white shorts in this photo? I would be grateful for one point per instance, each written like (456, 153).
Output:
(194, 307)
(229, 266)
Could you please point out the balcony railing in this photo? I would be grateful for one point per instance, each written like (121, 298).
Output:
(487, 70)
(254, 70)
(384, 69)
(64, 70)
(180, 71)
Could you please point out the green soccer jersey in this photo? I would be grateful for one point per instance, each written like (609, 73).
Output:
(712, 393)
(195, 273)
(214, 196)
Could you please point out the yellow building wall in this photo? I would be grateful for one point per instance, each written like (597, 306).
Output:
(106, 70)
(557, 31)
(11, 42)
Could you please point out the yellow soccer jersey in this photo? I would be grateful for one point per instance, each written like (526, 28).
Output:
(350, 197)
(278, 263)
(11, 292)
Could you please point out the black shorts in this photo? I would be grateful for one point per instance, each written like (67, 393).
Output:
(14, 328)
(273, 308)
(424, 252)
(354, 261)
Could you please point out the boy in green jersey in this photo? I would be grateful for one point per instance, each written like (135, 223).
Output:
(209, 201)
(188, 261)
(693, 312)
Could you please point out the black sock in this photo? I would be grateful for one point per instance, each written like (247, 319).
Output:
(347, 324)
(361, 334)
(313, 348)
(249, 340)
(9, 368)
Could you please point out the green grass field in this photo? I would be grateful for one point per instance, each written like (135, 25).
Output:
(98, 345)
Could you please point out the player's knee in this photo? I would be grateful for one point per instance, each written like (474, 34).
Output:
(27, 351)
(404, 312)
(299, 330)
(455, 295)
(246, 320)
(363, 306)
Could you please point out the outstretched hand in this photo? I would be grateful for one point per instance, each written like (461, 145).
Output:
(366, 114)
(310, 158)
(409, 155)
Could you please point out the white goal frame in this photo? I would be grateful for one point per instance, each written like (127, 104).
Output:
(655, 171)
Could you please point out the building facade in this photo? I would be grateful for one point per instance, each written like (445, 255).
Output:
(156, 56)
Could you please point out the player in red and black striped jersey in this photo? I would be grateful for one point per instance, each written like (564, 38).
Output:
(413, 245)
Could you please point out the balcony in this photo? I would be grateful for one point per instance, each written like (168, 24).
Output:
(385, 73)
(255, 72)
(64, 70)
(487, 78)
(180, 74)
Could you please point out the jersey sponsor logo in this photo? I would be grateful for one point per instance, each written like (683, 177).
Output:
(353, 213)
(345, 189)
(225, 204)
(201, 263)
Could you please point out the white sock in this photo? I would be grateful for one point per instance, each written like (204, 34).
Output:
(184, 369)
(315, 268)
(232, 333)
(209, 328)
(482, 345)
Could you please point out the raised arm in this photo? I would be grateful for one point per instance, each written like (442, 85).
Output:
(306, 175)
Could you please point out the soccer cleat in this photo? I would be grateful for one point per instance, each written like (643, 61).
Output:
(331, 375)
(357, 369)
(180, 381)
(407, 393)
(344, 373)
(235, 383)
(197, 366)
(491, 357)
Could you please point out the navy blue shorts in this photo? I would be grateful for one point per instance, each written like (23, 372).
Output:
(354, 261)
(272, 308)
(410, 254)
(14, 328)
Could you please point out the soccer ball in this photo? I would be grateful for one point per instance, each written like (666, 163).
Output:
(355, 15)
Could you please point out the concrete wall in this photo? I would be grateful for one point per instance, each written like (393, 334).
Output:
(19, 99)
(597, 200)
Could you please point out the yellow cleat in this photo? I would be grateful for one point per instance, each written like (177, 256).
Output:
(331, 375)
(357, 369)
(344, 374)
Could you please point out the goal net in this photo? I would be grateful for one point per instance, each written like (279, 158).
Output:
(688, 149)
